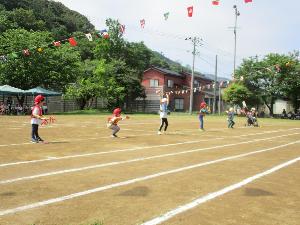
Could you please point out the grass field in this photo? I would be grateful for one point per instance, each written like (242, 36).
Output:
(241, 176)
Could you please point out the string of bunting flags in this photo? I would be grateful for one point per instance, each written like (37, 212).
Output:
(190, 11)
(222, 84)
(102, 33)
(71, 40)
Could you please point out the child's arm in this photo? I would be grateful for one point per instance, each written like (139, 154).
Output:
(39, 117)
(168, 99)
(35, 114)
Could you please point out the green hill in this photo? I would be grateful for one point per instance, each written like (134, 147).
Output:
(42, 15)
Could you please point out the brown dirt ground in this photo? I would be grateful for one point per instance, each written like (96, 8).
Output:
(271, 200)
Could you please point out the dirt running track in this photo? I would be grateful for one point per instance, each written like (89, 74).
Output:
(222, 176)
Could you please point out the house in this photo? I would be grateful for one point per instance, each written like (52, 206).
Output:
(178, 85)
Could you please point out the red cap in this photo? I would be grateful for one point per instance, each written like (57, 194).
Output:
(38, 99)
(202, 105)
(117, 111)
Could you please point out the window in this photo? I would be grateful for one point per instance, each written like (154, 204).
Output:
(170, 83)
(178, 104)
(153, 83)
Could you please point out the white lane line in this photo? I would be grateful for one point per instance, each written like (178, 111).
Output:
(102, 153)
(129, 161)
(149, 134)
(127, 182)
(216, 194)
(120, 150)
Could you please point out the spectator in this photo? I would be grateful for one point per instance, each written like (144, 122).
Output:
(19, 109)
(9, 104)
(283, 114)
(291, 115)
(45, 109)
(2, 108)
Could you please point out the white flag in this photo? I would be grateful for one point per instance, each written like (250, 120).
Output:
(89, 36)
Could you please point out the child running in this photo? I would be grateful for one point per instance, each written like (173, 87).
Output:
(230, 118)
(163, 113)
(112, 121)
(36, 119)
(202, 113)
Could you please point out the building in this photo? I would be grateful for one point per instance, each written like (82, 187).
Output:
(178, 85)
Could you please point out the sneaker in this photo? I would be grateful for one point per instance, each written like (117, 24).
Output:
(201, 129)
(159, 133)
(34, 140)
(114, 136)
(40, 139)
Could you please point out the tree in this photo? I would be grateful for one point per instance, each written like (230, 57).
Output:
(126, 63)
(269, 78)
(88, 85)
(289, 78)
(236, 93)
(51, 67)
(26, 19)
(54, 16)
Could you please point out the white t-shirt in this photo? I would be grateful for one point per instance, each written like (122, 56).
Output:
(163, 114)
(36, 111)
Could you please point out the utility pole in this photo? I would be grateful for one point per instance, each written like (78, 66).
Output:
(195, 42)
(237, 13)
(215, 85)
(219, 105)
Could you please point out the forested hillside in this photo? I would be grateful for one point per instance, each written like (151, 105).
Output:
(41, 15)
(35, 50)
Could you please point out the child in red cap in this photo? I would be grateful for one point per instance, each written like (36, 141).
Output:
(202, 113)
(112, 121)
(36, 118)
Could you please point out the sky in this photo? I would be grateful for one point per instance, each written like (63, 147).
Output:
(264, 26)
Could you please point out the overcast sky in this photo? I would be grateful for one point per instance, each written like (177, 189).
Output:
(264, 26)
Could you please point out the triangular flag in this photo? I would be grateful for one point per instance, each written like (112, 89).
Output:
(248, 1)
(166, 15)
(142, 22)
(105, 35)
(3, 58)
(216, 2)
(40, 50)
(190, 11)
(57, 43)
(26, 52)
(277, 67)
(89, 37)
(122, 29)
(72, 42)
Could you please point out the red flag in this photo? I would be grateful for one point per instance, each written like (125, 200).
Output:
(190, 11)
(142, 22)
(215, 2)
(247, 1)
(57, 43)
(122, 29)
(105, 35)
(72, 41)
(26, 52)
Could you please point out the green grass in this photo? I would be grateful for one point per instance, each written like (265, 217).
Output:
(85, 112)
